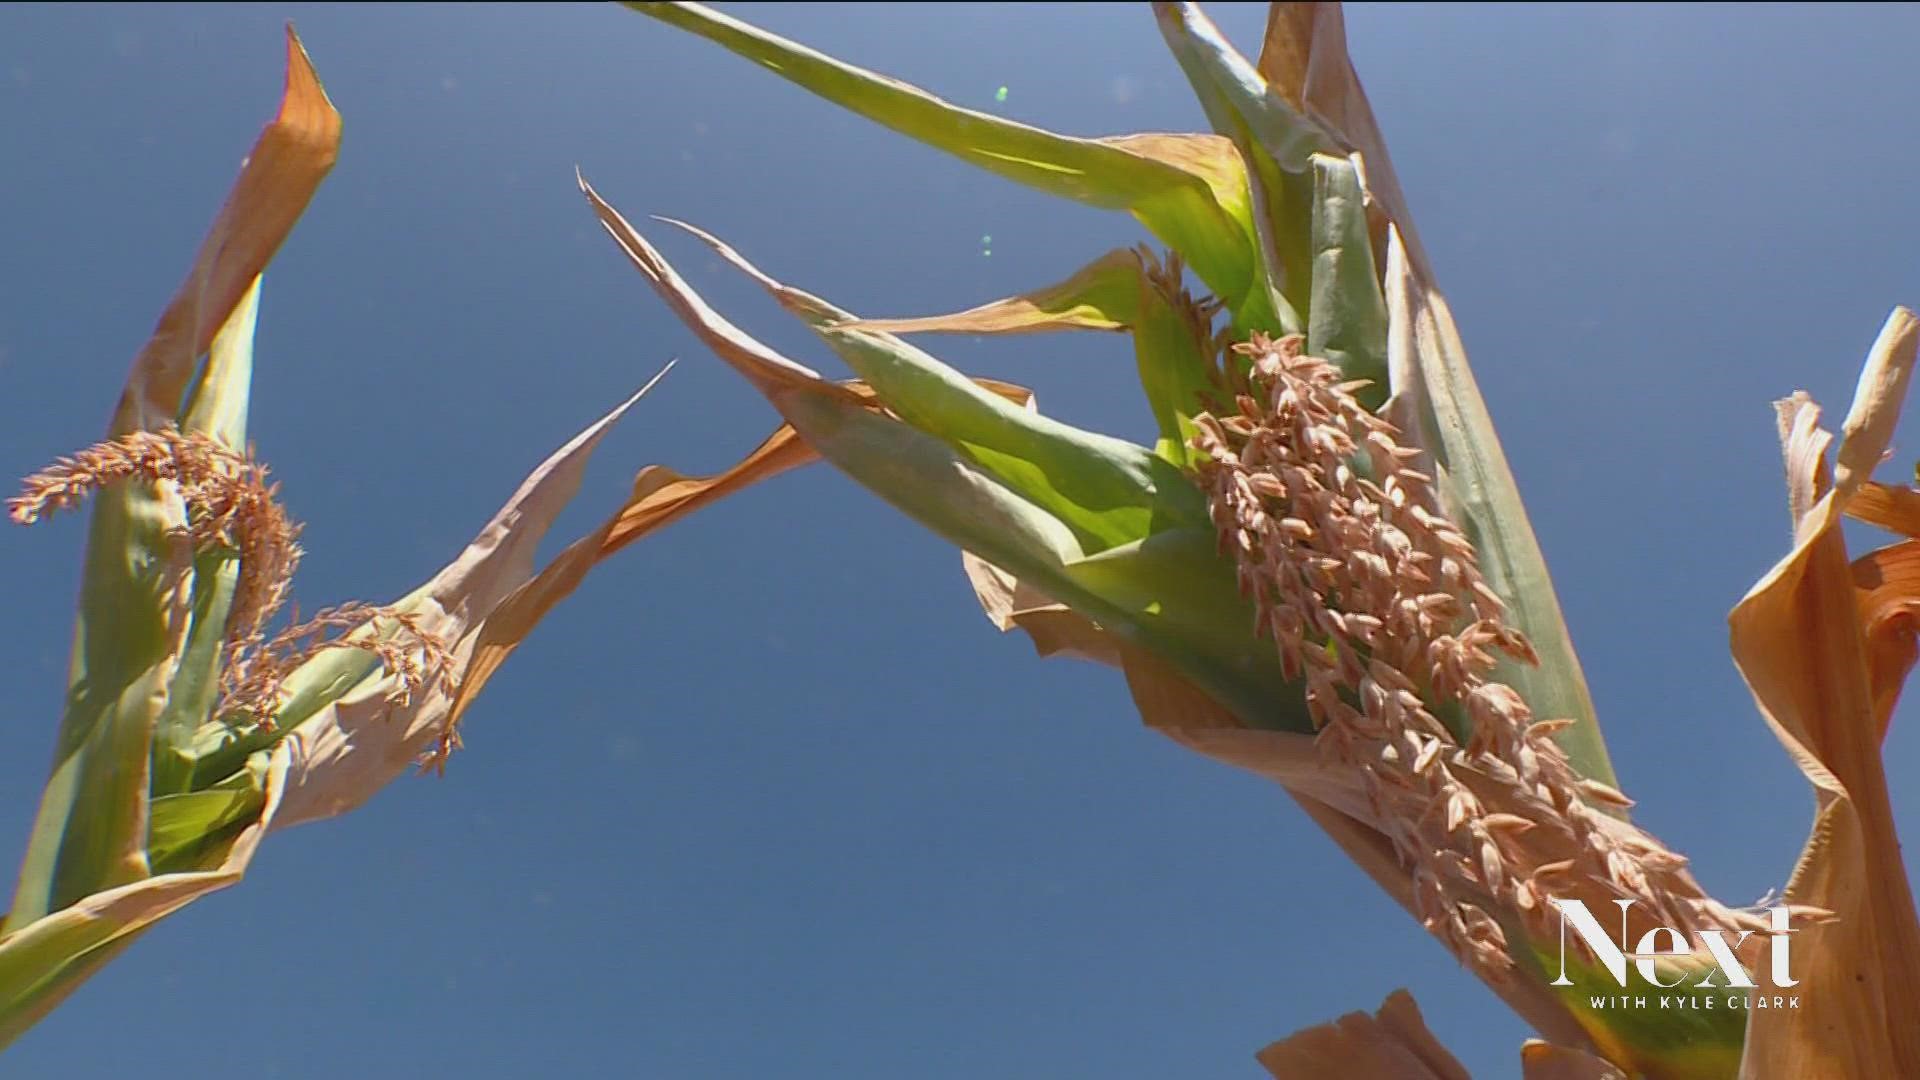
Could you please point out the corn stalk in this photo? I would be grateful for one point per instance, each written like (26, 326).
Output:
(1322, 570)
(195, 721)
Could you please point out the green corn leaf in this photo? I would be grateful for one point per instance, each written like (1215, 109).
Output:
(1446, 415)
(1275, 141)
(218, 400)
(1320, 248)
(1190, 191)
(41, 969)
(94, 826)
(1107, 490)
(46, 960)
(1169, 593)
(217, 406)
(1122, 290)
(1045, 502)
(1146, 552)
(91, 833)
(188, 826)
(1233, 93)
(1347, 321)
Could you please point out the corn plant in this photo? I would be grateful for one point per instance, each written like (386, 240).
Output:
(1322, 571)
(197, 720)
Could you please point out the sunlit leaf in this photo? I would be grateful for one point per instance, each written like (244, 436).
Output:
(358, 742)
(216, 405)
(1173, 336)
(90, 832)
(1802, 646)
(46, 960)
(1100, 296)
(1347, 320)
(964, 467)
(1190, 191)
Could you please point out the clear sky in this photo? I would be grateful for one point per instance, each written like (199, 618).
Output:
(768, 797)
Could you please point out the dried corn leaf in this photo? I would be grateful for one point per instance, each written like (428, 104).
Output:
(1801, 642)
(357, 743)
(1096, 297)
(1054, 628)
(660, 497)
(1887, 593)
(1896, 509)
(1391, 1044)
(291, 157)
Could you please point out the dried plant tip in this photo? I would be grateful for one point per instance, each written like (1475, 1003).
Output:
(1604, 794)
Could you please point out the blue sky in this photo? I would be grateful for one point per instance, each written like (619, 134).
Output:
(768, 797)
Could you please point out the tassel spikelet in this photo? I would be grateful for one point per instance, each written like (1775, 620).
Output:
(231, 506)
